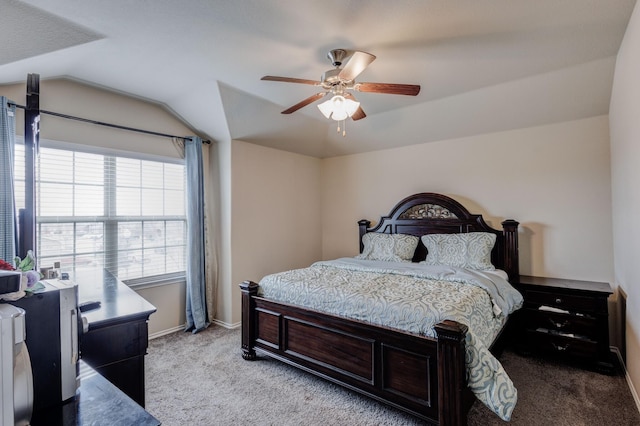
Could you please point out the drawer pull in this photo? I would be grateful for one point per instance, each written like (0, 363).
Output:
(560, 348)
(558, 300)
(558, 325)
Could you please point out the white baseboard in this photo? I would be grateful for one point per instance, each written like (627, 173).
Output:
(165, 332)
(626, 374)
(181, 327)
(227, 325)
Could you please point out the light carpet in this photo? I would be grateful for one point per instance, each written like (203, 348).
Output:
(201, 379)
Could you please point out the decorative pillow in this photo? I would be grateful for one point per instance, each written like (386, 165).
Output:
(471, 250)
(389, 247)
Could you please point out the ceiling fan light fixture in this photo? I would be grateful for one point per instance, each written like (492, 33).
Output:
(339, 108)
(326, 108)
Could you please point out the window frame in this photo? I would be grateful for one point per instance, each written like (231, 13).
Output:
(110, 220)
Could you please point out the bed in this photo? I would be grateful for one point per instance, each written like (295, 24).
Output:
(425, 373)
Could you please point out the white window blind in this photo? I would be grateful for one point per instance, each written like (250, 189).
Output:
(107, 211)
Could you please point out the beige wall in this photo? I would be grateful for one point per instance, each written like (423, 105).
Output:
(80, 100)
(555, 180)
(625, 176)
(225, 303)
(275, 215)
(169, 300)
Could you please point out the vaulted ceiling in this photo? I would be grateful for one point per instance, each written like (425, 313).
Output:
(483, 65)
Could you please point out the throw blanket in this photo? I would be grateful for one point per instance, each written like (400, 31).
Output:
(413, 297)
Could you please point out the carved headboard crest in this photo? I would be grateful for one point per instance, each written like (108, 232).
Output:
(428, 211)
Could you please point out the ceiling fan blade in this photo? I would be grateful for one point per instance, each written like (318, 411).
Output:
(359, 114)
(389, 88)
(304, 102)
(354, 66)
(290, 80)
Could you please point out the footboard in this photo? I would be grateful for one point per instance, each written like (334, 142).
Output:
(420, 375)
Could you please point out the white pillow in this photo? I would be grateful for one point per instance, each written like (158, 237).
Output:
(471, 250)
(388, 247)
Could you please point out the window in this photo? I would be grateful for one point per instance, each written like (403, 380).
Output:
(108, 211)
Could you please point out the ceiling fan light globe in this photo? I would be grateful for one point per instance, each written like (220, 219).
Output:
(340, 115)
(326, 108)
(340, 111)
(351, 106)
(337, 100)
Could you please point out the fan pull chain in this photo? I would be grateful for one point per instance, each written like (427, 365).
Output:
(344, 127)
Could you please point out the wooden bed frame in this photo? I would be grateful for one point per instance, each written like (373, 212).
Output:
(421, 375)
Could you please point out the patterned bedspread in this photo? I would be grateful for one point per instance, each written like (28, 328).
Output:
(413, 297)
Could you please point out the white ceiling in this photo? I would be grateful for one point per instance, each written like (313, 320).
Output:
(484, 65)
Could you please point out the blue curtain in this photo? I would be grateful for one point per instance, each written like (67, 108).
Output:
(8, 224)
(196, 255)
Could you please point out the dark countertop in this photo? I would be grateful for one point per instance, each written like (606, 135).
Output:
(119, 303)
(561, 283)
(97, 403)
(102, 403)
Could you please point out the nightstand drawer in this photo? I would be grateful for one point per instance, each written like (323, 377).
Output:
(567, 302)
(560, 344)
(583, 325)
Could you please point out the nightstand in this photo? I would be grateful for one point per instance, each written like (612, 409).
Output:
(565, 318)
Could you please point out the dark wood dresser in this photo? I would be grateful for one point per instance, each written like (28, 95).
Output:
(116, 338)
(565, 318)
(97, 402)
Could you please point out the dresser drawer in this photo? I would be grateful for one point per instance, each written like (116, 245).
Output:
(114, 343)
(583, 325)
(546, 341)
(567, 302)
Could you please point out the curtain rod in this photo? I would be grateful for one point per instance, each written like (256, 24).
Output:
(101, 123)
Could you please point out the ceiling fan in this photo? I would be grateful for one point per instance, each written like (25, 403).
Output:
(340, 81)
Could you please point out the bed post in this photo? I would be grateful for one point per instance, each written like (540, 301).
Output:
(248, 289)
(511, 259)
(451, 373)
(363, 224)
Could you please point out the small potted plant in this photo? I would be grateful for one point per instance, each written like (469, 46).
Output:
(30, 281)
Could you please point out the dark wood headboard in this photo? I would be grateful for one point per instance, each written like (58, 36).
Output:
(429, 213)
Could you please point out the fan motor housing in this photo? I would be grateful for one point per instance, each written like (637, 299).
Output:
(331, 76)
(336, 56)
